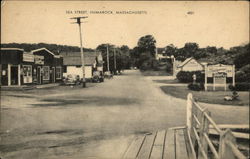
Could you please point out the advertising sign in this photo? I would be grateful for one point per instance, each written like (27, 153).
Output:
(220, 78)
(213, 69)
(39, 60)
(28, 58)
(219, 73)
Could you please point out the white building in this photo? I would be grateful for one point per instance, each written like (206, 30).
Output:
(72, 63)
(190, 64)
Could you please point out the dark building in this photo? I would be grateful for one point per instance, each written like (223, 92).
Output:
(23, 68)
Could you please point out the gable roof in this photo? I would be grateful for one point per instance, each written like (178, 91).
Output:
(32, 51)
(188, 60)
(185, 62)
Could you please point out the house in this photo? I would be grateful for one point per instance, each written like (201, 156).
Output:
(73, 65)
(39, 66)
(190, 64)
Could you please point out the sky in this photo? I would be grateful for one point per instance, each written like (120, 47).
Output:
(208, 23)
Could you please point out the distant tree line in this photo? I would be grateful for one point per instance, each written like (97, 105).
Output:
(52, 47)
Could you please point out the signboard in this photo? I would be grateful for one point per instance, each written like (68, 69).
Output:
(213, 69)
(28, 58)
(219, 73)
(220, 79)
(39, 60)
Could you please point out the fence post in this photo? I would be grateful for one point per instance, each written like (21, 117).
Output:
(203, 129)
(189, 111)
(225, 152)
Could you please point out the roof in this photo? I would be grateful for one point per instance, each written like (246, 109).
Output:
(76, 61)
(188, 60)
(64, 54)
(18, 49)
(185, 62)
(74, 58)
(43, 49)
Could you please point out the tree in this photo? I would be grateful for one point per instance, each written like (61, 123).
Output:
(170, 50)
(121, 56)
(190, 49)
(147, 44)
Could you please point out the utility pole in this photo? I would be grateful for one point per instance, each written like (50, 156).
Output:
(114, 62)
(78, 21)
(108, 57)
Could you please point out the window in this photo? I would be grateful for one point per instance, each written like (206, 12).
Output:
(58, 73)
(27, 70)
(45, 72)
(27, 73)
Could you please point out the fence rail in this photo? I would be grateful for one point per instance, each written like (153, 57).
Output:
(199, 121)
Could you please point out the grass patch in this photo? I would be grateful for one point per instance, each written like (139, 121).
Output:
(212, 97)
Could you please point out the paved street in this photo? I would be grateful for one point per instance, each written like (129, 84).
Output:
(95, 122)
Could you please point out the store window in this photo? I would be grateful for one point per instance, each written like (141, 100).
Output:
(27, 74)
(58, 73)
(46, 73)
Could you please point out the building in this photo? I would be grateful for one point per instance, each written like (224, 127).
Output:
(24, 68)
(190, 64)
(48, 66)
(73, 65)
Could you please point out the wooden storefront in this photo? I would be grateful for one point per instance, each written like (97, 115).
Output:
(10, 66)
(48, 66)
(25, 68)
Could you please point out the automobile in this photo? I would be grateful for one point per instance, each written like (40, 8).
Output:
(72, 79)
(97, 76)
(108, 75)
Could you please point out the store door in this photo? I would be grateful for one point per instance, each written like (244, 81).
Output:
(53, 75)
(14, 75)
(39, 75)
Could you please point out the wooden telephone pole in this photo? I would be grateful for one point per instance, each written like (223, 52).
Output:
(114, 61)
(78, 21)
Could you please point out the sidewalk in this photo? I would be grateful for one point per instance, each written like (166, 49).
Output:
(28, 87)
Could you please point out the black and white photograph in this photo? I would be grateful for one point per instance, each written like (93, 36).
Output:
(124, 80)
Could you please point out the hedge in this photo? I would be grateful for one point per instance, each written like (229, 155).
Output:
(187, 76)
(240, 87)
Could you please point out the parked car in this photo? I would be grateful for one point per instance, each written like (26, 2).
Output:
(72, 79)
(108, 74)
(97, 76)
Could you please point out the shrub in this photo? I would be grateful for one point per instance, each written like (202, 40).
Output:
(196, 86)
(187, 76)
(240, 87)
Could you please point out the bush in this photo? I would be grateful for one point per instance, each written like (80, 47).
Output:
(187, 76)
(240, 87)
(196, 86)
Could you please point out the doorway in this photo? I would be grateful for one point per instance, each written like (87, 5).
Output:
(39, 75)
(14, 75)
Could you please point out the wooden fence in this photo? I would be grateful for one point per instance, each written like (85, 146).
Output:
(199, 122)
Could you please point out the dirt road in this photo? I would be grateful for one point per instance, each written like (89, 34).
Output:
(95, 122)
